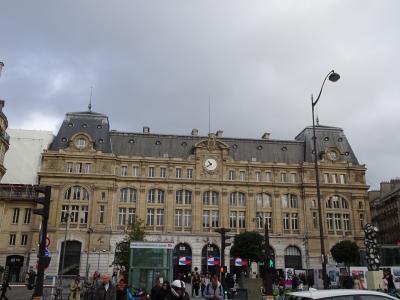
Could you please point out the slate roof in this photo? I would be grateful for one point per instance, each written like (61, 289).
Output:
(181, 146)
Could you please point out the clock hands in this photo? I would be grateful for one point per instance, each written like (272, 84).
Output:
(209, 164)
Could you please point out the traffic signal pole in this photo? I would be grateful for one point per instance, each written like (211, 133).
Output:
(43, 260)
(224, 244)
(267, 270)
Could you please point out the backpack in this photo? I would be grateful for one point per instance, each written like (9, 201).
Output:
(220, 289)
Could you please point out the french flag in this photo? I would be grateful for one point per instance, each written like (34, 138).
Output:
(185, 260)
(238, 262)
(213, 261)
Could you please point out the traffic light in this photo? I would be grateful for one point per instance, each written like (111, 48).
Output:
(223, 269)
(270, 264)
(45, 201)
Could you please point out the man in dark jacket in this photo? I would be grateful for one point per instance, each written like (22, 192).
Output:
(155, 293)
(178, 291)
(105, 290)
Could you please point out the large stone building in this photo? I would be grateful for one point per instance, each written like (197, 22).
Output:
(186, 186)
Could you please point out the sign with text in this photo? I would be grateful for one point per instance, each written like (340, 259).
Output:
(151, 245)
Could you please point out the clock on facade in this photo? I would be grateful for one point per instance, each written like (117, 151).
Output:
(332, 155)
(210, 164)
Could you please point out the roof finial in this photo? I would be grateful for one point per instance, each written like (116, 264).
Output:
(90, 100)
(317, 121)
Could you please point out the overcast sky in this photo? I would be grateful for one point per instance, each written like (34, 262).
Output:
(157, 64)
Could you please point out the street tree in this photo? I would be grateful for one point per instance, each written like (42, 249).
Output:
(248, 245)
(346, 252)
(136, 232)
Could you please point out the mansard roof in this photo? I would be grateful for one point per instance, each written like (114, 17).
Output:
(295, 151)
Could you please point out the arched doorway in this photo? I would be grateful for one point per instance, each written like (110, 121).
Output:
(72, 258)
(182, 259)
(210, 258)
(293, 257)
(14, 264)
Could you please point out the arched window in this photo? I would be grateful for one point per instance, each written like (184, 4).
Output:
(263, 200)
(127, 193)
(237, 199)
(337, 215)
(293, 257)
(76, 193)
(210, 198)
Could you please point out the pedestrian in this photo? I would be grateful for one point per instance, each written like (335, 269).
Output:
(202, 284)
(214, 290)
(121, 289)
(106, 290)
(295, 282)
(4, 288)
(155, 293)
(390, 284)
(356, 283)
(195, 283)
(75, 289)
(165, 290)
(178, 291)
(348, 282)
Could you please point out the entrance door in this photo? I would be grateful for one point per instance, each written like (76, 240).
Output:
(72, 258)
(210, 259)
(14, 265)
(182, 260)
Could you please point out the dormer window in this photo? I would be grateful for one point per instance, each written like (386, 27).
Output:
(81, 143)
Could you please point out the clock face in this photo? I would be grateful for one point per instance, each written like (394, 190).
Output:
(332, 155)
(210, 164)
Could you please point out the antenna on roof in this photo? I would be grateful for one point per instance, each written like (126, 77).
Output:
(317, 121)
(209, 114)
(90, 99)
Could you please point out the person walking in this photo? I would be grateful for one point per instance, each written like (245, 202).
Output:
(155, 293)
(214, 290)
(75, 289)
(106, 290)
(195, 284)
(121, 289)
(178, 291)
(4, 288)
(165, 290)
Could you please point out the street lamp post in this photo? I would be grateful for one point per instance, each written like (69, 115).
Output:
(332, 76)
(90, 230)
(66, 218)
(267, 274)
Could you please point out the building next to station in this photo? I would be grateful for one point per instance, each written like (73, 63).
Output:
(185, 186)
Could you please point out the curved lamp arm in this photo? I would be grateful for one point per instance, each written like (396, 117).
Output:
(332, 77)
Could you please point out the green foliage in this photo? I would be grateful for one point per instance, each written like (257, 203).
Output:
(135, 233)
(248, 245)
(346, 252)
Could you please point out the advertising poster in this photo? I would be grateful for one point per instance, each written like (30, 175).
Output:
(396, 277)
(333, 276)
(301, 274)
(361, 273)
(288, 276)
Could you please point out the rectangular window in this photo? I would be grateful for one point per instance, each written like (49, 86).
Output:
(15, 218)
(135, 171)
(233, 219)
(268, 176)
(64, 213)
(189, 173)
(178, 173)
(70, 167)
(27, 215)
(124, 171)
(188, 197)
(178, 218)
(101, 214)
(187, 218)
(329, 221)
(285, 201)
(24, 239)
(131, 215)
(242, 175)
(122, 216)
(179, 197)
(293, 177)
(258, 176)
(293, 201)
(132, 198)
(241, 219)
(87, 168)
(78, 168)
(362, 220)
(346, 222)
(315, 219)
(206, 218)
(286, 221)
(342, 178)
(103, 196)
(160, 217)
(12, 239)
(326, 177)
(74, 213)
(295, 221)
(123, 195)
(214, 219)
(150, 216)
(160, 198)
(313, 204)
(151, 171)
(151, 196)
(231, 175)
(283, 177)
(84, 214)
(163, 172)
(334, 178)
(338, 222)
(214, 198)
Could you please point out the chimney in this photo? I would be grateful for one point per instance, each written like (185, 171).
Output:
(146, 129)
(265, 136)
(195, 132)
(219, 133)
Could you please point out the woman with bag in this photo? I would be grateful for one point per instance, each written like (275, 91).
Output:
(75, 289)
